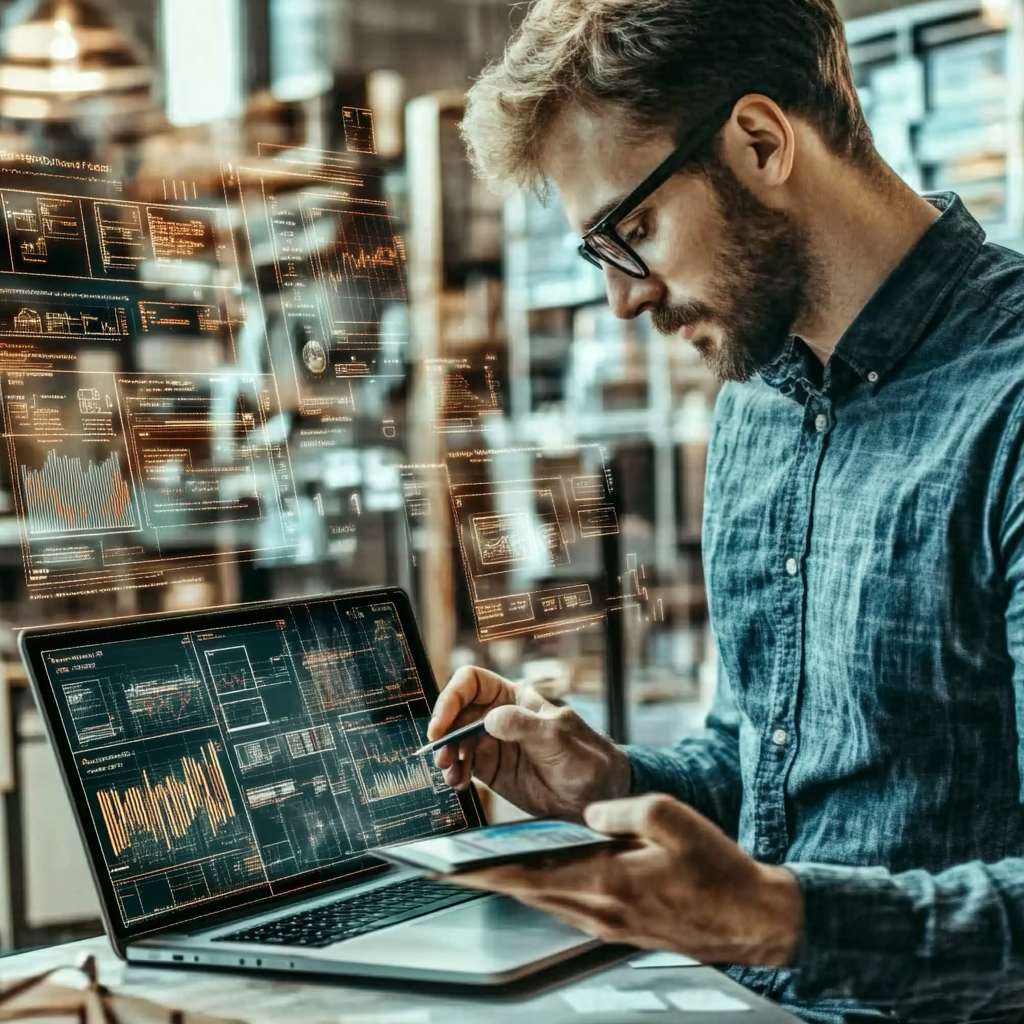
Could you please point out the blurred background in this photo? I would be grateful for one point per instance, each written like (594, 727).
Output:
(262, 335)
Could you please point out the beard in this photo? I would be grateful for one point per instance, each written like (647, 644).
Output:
(764, 274)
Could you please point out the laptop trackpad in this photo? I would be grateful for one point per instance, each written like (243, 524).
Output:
(493, 915)
(486, 934)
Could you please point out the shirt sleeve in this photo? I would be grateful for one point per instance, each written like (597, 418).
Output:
(945, 946)
(702, 771)
(931, 947)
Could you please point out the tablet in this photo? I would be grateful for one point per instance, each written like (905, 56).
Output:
(534, 840)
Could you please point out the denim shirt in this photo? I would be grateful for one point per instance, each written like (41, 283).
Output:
(864, 555)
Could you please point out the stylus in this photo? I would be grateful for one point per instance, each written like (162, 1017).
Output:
(475, 729)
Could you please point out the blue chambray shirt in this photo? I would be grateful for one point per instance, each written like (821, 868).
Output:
(864, 555)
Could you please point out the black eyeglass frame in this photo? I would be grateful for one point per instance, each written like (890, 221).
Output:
(606, 226)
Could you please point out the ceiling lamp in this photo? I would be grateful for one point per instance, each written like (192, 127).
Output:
(68, 61)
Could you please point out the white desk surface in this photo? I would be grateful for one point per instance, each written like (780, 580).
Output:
(263, 999)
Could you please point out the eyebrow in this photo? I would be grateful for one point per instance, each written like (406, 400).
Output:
(599, 214)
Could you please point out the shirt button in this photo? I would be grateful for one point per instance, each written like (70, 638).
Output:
(791, 566)
(873, 377)
(820, 422)
(780, 737)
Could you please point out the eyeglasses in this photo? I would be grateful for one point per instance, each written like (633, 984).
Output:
(602, 243)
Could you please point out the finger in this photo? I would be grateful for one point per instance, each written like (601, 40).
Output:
(576, 878)
(593, 916)
(450, 753)
(509, 879)
(655, 817)
(513, 723)
(467, 748)
(468, 686)
(455, 775)
(527, 697)
(462, 757)
(480, 762)
(570, 880)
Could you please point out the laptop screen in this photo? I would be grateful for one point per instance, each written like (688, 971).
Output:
(226, 758)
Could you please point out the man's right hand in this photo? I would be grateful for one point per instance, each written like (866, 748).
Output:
(544, 759)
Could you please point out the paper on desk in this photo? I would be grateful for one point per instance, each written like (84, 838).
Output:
(606, 999)
(660, 959)
(706, 1000)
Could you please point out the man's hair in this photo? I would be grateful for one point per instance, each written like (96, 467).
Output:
(662, 64)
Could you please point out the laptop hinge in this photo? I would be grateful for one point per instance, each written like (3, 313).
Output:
(226, 917)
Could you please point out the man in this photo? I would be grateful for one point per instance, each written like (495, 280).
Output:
(849, 830)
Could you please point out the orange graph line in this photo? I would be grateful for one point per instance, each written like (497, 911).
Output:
(399, 781)
(384, 257)
(68, 493)
(168, 808)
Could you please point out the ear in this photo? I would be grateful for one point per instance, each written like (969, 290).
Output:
(759, 143)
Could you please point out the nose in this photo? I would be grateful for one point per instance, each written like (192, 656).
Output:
(629, 297)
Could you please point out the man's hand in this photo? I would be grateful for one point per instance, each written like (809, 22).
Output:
(685, 887)
(544, 759)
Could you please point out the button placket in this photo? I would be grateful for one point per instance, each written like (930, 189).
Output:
(779, 735)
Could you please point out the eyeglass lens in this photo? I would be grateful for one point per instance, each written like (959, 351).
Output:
(607, 249)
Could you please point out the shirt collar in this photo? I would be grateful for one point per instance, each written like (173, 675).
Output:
(897, 315)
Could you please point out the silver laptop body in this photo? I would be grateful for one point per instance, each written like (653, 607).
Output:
(229, 770)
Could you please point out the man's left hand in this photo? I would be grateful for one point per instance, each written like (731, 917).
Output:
(684, 886)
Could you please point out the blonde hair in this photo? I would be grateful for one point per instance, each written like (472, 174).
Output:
(662, 64)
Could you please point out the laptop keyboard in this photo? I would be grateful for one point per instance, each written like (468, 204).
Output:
(356, 915)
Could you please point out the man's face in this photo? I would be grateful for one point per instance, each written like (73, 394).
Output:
(727, 273)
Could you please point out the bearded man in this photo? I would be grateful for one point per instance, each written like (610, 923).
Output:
(848, 833)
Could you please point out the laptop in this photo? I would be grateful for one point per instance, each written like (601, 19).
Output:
(231, 769)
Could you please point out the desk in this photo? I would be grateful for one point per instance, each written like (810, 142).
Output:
(266, 1000)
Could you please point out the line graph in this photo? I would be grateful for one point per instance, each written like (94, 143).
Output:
(503, 539)
(362, 261)
(186, 804)
(363, 267)
(52, 320)
(165, 697)
(69, 494)
(400, 780)
(231, 670)
(168, 808)
(382, 743)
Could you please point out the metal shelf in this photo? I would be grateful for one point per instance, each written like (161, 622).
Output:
(943, 87)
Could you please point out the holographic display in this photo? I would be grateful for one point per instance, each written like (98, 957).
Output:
(530, 525)
(132, 477)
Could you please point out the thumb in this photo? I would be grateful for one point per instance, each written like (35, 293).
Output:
(514, 724)
(655, 817)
